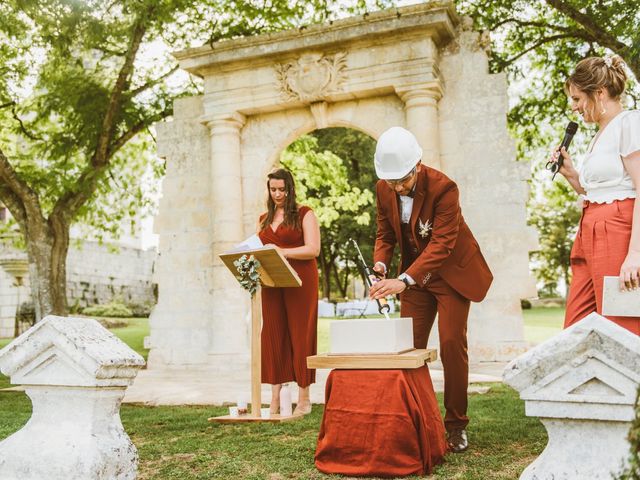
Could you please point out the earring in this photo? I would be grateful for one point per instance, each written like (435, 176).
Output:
(602, 109)
(286, 194)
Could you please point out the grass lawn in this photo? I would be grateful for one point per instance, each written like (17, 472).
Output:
(178, 443)
(541, 324)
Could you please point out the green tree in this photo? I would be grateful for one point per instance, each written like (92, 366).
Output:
(344, 209)
(633, 470)
(356, 149)
(538, 44)
(555, 216)
(79, 81)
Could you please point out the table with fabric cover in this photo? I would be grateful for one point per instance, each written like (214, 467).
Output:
(380, 423)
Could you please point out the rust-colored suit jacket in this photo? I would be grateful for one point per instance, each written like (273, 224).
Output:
(445, 243)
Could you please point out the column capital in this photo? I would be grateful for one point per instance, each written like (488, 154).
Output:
(423, 93)
(224, 121)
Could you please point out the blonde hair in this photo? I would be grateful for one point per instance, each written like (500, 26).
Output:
(593, 73)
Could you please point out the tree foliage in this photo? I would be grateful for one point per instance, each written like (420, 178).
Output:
(556, 216)
(538, 45)
(333, 169)
(81, 84)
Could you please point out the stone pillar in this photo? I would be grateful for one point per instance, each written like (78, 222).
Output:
(582, 385)
(229, 300)
(421, 110)
(76, 373)
(16, 265)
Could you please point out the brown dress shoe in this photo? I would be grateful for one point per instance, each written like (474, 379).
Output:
(457, 440)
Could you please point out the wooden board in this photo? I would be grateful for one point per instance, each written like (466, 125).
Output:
(274, 269)
(369, 353)
(250, 418)
(413, 359)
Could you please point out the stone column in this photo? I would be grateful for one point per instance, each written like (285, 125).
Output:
(421, 110)
(229, 326)
(226, 179)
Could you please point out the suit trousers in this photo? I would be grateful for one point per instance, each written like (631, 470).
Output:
(422, 304)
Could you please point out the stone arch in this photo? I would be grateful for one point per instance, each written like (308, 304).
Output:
(350, 114)
(414, 66)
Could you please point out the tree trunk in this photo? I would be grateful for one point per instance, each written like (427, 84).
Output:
(343, 289)
(566, 269)
(325, 274)
(47, 249)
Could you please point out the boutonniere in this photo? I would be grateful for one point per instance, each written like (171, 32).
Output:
(424, 229)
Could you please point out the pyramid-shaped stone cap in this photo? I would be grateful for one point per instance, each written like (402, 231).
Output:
(69, 351)
(592, 362)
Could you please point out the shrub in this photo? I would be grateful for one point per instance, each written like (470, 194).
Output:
(112, 309)
(140, 309)
(26, 313)
(633, 472)
(525, 304)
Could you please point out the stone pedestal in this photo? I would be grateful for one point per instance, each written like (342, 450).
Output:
(582, 384)
(76, 373)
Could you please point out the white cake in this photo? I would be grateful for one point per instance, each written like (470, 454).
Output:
(366, 336)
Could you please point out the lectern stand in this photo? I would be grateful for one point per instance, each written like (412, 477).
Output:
(274, 271)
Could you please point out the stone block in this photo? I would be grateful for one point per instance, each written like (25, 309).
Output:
(378, 335)
(582, 384)
(76, 373)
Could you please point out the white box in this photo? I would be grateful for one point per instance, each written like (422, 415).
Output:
(376, 335)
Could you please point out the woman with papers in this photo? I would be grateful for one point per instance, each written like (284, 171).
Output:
(290, 315)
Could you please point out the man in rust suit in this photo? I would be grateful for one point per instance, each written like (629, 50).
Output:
(441, 270)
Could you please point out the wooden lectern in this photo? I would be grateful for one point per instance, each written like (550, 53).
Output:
(274, 271)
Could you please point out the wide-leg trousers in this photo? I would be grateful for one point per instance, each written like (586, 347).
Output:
(599, 250)
(422, 304)
(290, 328)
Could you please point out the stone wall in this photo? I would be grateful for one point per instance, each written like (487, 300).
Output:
(477, 152)
(182, 323)
(96, 274)
(10, 295)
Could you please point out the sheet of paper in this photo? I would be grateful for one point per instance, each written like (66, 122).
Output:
(250, 243)
(618, 302)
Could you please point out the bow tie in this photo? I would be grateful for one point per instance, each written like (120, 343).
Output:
(411, 194)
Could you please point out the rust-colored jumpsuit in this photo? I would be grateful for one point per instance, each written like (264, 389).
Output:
(290, 315)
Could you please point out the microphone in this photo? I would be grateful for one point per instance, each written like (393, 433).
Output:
(569, 132)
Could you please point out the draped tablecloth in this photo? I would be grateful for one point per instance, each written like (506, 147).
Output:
(381, 423)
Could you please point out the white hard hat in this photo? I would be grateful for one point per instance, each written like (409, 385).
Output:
(397, 152)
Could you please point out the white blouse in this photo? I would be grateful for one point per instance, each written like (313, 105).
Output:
(602, 173)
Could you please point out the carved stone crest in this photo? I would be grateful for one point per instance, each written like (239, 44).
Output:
(312, 76)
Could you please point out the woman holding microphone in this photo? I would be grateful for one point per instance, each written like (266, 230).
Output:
(608, 239)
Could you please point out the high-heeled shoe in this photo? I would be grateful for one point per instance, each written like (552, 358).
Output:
(302, 409)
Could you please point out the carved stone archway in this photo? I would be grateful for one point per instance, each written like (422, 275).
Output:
(418, 67)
